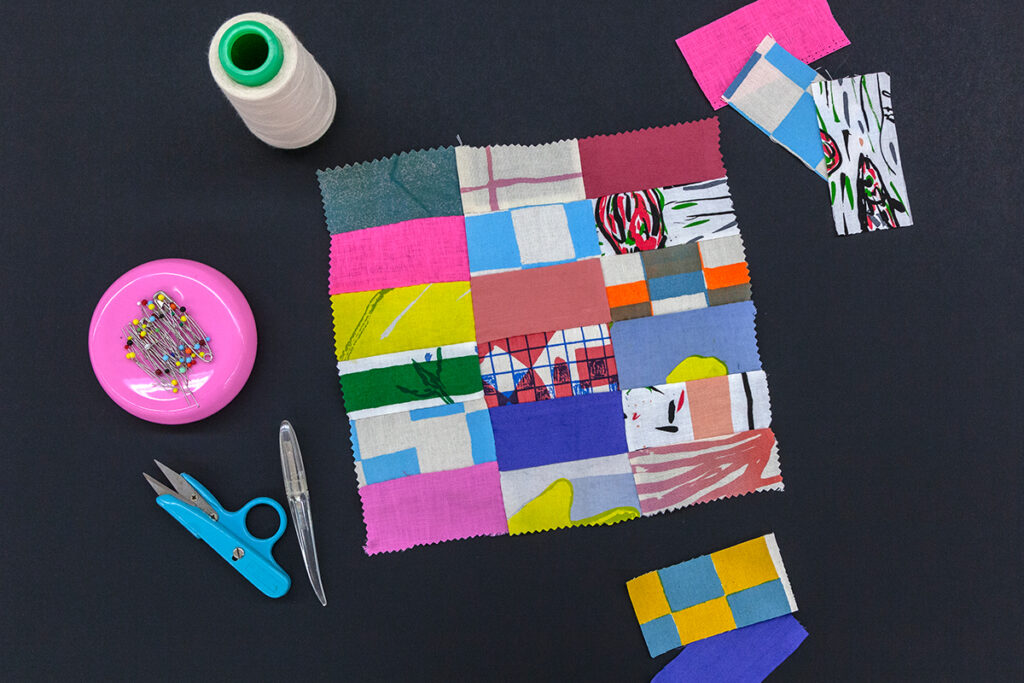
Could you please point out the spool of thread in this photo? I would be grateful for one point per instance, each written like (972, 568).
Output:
(274, 84)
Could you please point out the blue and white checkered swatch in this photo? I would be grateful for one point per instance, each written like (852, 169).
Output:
(772, 91)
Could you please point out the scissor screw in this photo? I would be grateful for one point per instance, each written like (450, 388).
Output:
(237, 554)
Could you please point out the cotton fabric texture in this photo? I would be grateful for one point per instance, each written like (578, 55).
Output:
(717, 52)
(746, 655)
(773, 91)
(862, 155)
(732, 588)
(480, 296)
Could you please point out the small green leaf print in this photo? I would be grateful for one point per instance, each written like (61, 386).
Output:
(696, 223)
(683, 205)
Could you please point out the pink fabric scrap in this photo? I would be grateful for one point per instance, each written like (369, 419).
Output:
(433, 507)
(717, 52)
(399, 255)
(654, 157)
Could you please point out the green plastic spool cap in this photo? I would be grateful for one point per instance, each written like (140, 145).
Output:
(250, 53)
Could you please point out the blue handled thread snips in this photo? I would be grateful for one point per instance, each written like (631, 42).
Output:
(199, 512)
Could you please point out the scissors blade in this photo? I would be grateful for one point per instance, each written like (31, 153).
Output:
(185, 491)
(162, 490)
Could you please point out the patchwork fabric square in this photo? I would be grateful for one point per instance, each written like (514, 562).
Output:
(546, 365)
(399, 188)
(401, 319)
(692, 472)
(711, 594)
(676, 278)
(773, 91)
(670, 414)
(661, 217)
(539, 299)
(530, 237)
(862, 155)
(717, 52)
(546, 432)
(507, 176)
(403, 254)
(474, 291)
(409, 380)
(567, 494)
(446, 437)
(642, 159)
(682, 346)
(430, 508)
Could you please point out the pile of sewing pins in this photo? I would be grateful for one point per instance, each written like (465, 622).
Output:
(165, 342)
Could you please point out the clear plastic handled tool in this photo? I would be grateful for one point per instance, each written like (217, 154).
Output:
(297, 492)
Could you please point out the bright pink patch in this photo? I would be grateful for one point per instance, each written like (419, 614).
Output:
(717, 52)
(433, 507)
(400, 255)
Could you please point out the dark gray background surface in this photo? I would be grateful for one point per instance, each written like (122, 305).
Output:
(893, 358)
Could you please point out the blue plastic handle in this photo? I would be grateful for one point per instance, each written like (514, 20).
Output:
(230, 538)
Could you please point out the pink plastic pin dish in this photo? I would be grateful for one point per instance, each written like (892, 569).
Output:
(172, 341)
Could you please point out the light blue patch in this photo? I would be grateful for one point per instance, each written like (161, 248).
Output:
(731, 90)
(791, 67)
(661, 635)
(597, 494)
(355, 439)
(581, 228)
(759, 603)
(798, 132)
(691, 583)
(491, 242)
(436, 411)
(675, 285)
(391, 466)
(481, 436)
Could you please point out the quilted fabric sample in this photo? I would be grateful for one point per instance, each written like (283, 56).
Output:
(399, 255)
(692, 472)
(862, 155)
(408, 380)
(711, 594)
(506, 176)
(773, 91)
(680, 278)
(480, 298)
(531, 237)
(545, 365)
(403, 187)
(661, 217)
(717, 52)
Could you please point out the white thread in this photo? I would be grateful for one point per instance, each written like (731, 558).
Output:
(296, 107)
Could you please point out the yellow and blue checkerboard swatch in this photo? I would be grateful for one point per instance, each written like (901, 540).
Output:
(712, 594)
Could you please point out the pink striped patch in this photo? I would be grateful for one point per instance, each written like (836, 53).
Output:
(671, 477)
(433, 507)
(399, 255)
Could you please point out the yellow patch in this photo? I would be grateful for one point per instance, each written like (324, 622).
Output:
(550, 510)
(697, 367)
(648, 596)
(401, 319)
(704, 620)
(744, 566)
